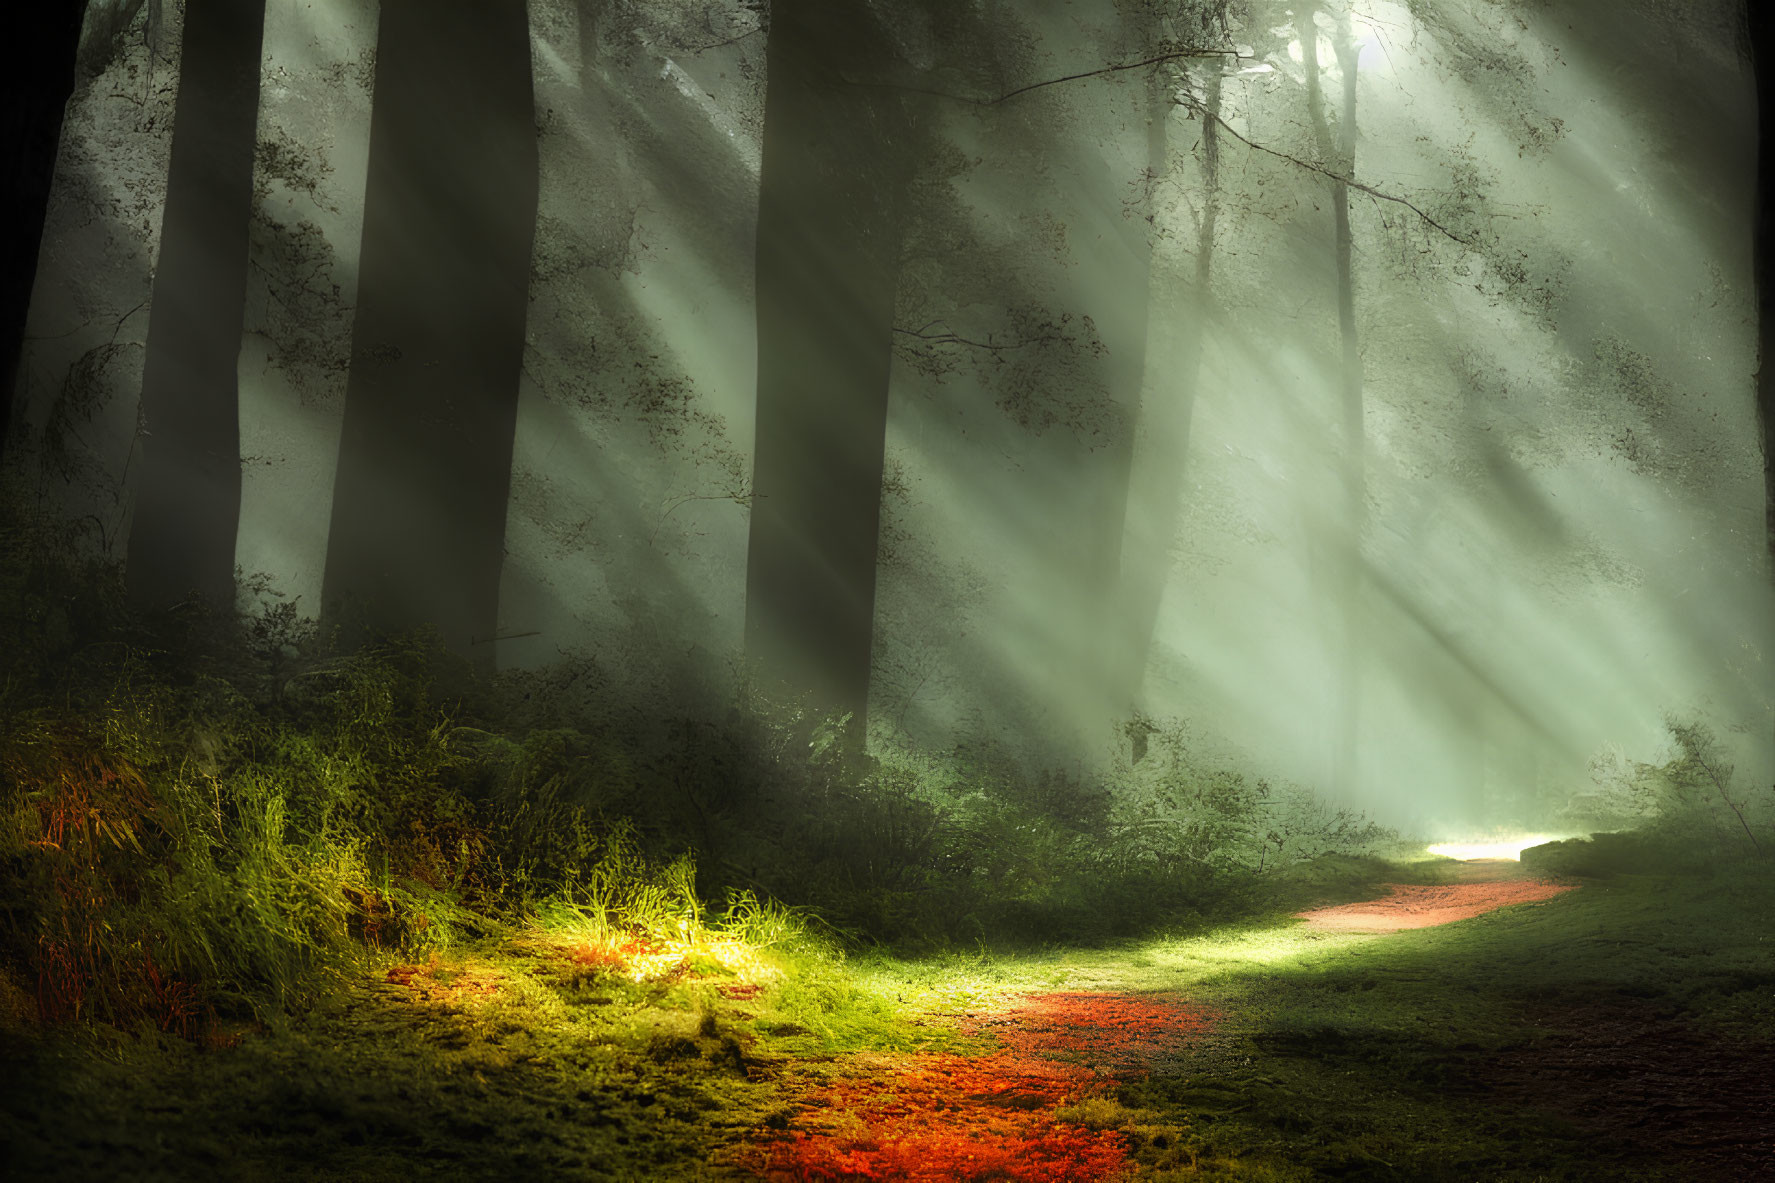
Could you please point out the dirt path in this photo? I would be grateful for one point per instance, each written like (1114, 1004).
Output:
(1021, 1111)
(1033, 1107)
(1485, 885)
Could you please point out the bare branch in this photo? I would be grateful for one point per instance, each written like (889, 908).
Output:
(735, 40)
(947, 337)
(1720, 784)
(1157, 59)
(1179, 55)
(1199, 109)
(738, 498)
(1114, 68)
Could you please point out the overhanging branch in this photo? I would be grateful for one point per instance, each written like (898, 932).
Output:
(1199, 109)
(1101, 71)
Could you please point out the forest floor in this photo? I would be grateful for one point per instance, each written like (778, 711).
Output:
(1442, 1031)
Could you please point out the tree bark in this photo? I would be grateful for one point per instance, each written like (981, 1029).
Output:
(187, 501)
(419, 500)
(837, 160)
(33, 95)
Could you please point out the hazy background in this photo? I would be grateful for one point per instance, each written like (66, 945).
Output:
(1564, 536)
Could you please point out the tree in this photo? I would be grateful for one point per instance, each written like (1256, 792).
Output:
(187, 504)
(1156, 490)
(33, 95)
(1339, 157)
(1762, 53)
(839, 149)
(1762, 47)
(419, 500)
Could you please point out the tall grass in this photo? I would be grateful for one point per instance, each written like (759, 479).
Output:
(202, 816)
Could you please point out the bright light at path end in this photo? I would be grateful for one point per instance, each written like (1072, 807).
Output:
(1509, 848)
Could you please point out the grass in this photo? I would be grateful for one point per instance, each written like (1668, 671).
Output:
(1415, 1055)
(1339, 1055)
(269, 909)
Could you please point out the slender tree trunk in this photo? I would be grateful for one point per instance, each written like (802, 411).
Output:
(1762, 45)
(419, 502)
(1167, 406)
(1762, 51)
(34, 92)
(187, 504)
(1340, 157)
(838, 156)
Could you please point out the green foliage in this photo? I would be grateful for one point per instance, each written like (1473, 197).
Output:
(1681, 813)
(202, 815)
(1174, 812)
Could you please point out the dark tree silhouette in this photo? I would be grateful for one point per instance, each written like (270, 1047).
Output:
(34, 92)
(838, 155)
(1762, 46)
(187, 505)
(1762, 52)
(419, 502)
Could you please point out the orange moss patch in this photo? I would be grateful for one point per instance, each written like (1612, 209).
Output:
(934, 1116)
(1118, 1035)
(434, 982)
(1423, 907)
(610, 959)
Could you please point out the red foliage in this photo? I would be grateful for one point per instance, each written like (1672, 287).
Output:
(137, 988)
(943, 1116)
(435, 981)
(172, 1002)
(1119, 1035)
(610, 958)
(61, 982)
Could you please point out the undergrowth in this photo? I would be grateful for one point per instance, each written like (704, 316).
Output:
(211, 817)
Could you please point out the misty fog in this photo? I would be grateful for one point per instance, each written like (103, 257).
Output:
(1546, 538)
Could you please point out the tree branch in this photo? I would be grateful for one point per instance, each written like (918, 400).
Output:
(948, 337)
(1730, 804)
(1157, 59)
(1114, 68)
(1199, 109)
(734, 40)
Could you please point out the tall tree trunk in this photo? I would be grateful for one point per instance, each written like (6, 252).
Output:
(838, 156)
(1762, 52)
(187, 504)
(1762, 47)
(1340, 157)
(34, 92)
(1167, 405)
(419, 501)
